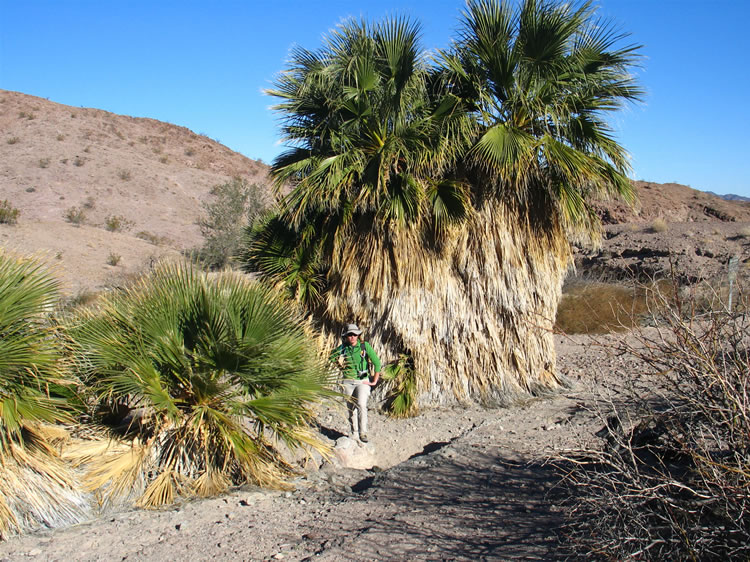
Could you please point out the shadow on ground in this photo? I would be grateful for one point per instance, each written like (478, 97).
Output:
(468, 504)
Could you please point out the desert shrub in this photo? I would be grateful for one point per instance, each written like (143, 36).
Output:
(116, 223)
(8, 213)
(124, 175)
(201, 375)
(60, 137)
(164, 159)
(673, 481)
(75, 215)
(78, 161)
(233, 205)
(44, 162)
(113, 259)
(659, 225)
(155, 239)
(89, 203)
(13, 140)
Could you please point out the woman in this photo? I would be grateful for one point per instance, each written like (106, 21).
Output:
(353, 357)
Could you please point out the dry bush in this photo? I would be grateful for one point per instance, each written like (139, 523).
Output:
(8, 213)
(673, 481)
(659, 225)
(75, 215)
(117, 223)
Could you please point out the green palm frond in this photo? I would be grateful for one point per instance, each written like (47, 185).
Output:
(36, 489)
(541, 79)
(216, 365)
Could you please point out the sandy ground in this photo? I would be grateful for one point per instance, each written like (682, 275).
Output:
(459, 484)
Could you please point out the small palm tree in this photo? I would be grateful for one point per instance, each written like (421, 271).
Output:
(36, 489)
(202, 377)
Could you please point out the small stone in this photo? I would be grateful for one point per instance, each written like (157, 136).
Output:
(278, 556)
(35, 552)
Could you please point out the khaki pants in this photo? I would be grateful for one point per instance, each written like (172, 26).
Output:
(358, 405)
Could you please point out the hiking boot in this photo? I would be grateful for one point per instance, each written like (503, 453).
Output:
(363, 437)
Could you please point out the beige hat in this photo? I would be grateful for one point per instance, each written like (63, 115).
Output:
(351, 329)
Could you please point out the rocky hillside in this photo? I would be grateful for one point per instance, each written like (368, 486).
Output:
(672, 228)
(75, 173)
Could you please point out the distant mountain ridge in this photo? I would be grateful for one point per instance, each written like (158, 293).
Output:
(730, 196)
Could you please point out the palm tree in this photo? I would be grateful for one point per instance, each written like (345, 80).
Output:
(36, 488)
(438, 215)
(201, 378)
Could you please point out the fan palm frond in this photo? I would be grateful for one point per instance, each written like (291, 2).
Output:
(213, 370)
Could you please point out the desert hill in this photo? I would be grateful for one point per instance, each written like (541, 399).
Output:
(72, 172)
(59, 163)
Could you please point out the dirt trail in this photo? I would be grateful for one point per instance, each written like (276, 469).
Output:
(474, 487)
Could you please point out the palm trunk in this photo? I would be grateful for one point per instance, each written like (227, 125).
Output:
(477, 317)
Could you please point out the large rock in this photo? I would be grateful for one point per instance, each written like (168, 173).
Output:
(350, 453)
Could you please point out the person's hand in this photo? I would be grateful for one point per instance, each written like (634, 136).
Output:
(341, 361)
(374, 381)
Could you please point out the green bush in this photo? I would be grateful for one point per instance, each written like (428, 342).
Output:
(232, 207)
(8, 213)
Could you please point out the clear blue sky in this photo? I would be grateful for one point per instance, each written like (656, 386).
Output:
(204, 64)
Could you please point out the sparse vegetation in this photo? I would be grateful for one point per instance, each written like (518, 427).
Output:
(113, 259)
(189, 152)
(78, 161)
(124, 175)
(164, 159)
(232, 207)
(60, 137)
(659, 225)
(44, 162)
(75, 215)
(155, 239)
(23, 115)
(89, 203)
(8, 213)
(30, 189)
(117, 223)
(13, 140)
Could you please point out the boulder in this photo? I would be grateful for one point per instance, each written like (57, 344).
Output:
(350, 453)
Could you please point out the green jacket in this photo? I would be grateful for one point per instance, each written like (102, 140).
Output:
(355, 360)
